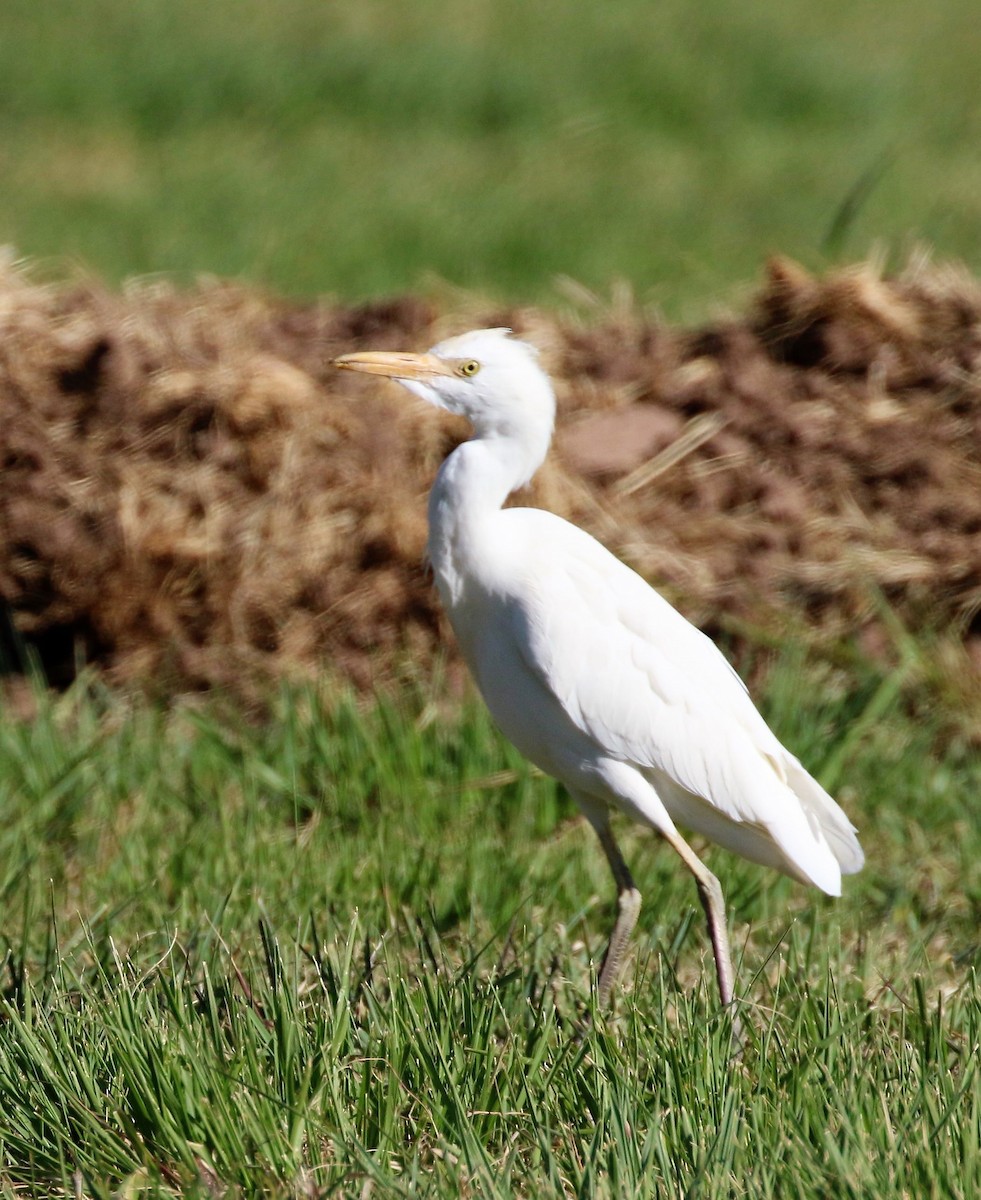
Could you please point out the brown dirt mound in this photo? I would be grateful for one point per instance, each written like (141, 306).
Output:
(192, 496)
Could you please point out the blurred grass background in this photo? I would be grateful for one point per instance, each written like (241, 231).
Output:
(363, 148)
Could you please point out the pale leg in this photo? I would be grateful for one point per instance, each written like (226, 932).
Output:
(628, 907)
(710, 894)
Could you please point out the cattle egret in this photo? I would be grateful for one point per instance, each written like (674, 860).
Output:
(589, 671)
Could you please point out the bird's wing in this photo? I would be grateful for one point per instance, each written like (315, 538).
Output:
(628, 669)
(650, 689)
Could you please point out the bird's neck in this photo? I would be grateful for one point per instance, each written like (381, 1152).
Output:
(470, 489)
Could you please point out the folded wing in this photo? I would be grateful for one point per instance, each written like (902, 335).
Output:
(651, 690)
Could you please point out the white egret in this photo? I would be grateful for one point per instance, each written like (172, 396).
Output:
(589, 671)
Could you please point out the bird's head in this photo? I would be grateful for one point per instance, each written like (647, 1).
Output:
(493, 380)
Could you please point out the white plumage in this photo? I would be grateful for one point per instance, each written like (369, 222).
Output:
(587, 669)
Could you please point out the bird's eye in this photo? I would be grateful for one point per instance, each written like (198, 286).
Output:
(468, 367)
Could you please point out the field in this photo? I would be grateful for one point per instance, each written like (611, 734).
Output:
(348, 952)
(280, 912)
(363, 149)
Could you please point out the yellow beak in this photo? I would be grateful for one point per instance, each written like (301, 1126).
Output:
(393, 365)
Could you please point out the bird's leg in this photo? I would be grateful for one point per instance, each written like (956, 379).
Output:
(710, 894)
(628, 907)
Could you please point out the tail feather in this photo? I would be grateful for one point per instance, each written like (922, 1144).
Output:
(825, 817)
(792, 842)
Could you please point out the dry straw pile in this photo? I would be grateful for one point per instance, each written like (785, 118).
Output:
(191, 496)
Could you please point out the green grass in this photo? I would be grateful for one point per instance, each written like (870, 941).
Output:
(347, 950)
(361, 148)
